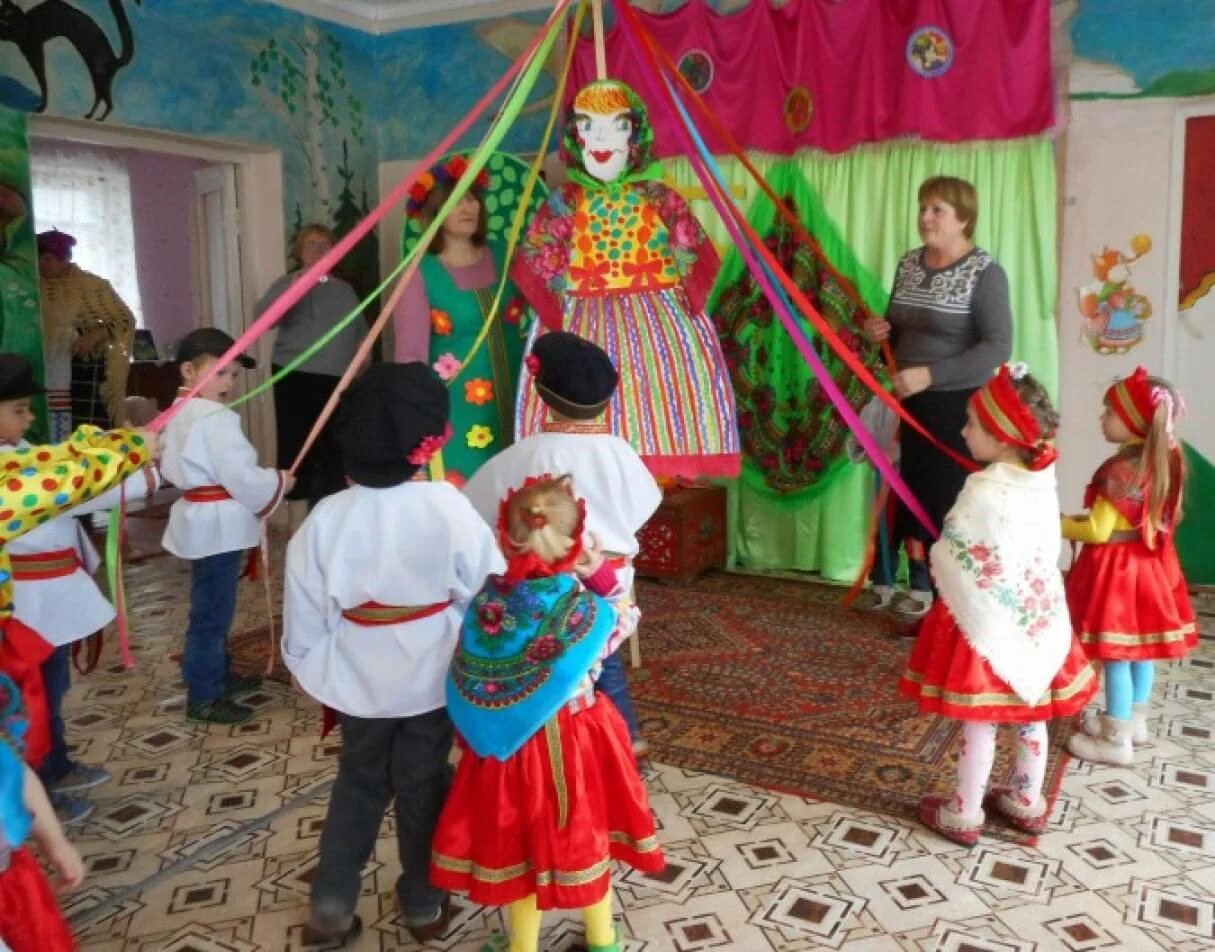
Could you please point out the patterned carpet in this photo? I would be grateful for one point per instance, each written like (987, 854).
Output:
(771, 682)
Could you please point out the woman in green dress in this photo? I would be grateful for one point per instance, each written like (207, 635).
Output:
(443, 310)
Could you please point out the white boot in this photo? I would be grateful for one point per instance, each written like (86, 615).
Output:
(1111, 746)
(1091, 724)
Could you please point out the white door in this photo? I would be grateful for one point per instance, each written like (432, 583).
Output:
(217, 246)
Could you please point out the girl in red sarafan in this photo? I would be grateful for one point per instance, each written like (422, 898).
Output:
(547, 792)
(997, 646)
(1127, 593)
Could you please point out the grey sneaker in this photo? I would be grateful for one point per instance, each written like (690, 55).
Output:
(80, 777)
(874, 599)
(913, 604)
(222, 710)
(71, 810)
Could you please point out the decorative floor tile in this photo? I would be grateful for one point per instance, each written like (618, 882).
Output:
(206, 837)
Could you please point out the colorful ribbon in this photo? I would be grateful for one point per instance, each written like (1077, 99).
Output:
(768, 272)
(312, 275)
(823, 328)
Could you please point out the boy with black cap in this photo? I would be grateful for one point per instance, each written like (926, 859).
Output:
(377, 581)
(53, 590)
(576, 380)
(225, 494)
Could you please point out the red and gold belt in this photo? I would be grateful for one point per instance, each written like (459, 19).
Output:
(40, 566)
(373, 614)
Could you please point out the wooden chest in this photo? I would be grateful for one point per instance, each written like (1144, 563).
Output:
(686, 536)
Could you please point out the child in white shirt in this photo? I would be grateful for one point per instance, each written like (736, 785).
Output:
(225, 495)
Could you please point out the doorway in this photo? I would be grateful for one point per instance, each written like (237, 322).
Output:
(208, 239)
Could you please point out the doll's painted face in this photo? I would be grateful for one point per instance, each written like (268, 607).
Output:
(605, 142)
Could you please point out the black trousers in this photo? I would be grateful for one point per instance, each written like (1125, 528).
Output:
(401, 760)
(298, 400)
(932, 477)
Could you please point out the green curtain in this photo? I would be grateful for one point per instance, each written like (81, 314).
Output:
(869, 194)
(1196, 533)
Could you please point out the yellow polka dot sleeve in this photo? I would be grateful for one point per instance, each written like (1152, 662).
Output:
(38, 483)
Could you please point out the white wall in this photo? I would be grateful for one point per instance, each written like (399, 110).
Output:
(1122, 179)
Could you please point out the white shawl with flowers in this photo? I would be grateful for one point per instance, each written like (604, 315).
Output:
(996, 566)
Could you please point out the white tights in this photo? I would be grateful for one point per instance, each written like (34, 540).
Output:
(979, 753)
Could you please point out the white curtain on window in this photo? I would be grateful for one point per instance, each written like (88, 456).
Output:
(88, 195)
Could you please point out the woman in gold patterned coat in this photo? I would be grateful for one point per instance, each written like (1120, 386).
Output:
(87, 336)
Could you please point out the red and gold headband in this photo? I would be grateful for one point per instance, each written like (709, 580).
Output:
(1131, 398)
(1006, 417)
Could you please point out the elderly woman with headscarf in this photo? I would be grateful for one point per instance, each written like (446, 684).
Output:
(87, 336)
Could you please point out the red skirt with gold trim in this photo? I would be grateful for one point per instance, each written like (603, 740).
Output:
(1129, 603)
(947, 676)
(549, 820)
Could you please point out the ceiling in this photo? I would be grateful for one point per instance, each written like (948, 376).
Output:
(384, 16)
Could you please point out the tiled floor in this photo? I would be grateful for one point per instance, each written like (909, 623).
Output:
(206, 838)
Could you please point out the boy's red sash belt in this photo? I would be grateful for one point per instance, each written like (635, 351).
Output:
(206, 494)
(373, 614)
(40, 566)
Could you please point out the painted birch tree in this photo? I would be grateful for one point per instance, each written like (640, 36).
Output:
(303, 80)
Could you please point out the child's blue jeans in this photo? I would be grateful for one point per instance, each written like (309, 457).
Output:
(614, 684)
(213, 583)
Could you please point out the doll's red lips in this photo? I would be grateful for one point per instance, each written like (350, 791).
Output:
(602, 156)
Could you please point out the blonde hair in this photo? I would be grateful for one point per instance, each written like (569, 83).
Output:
(1160, 469)
(297, 243)
(543, 518)
(956, 192)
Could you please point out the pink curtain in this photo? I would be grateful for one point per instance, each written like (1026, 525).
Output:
(831, 74)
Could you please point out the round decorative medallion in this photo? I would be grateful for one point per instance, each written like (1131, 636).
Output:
(930, 52)
(697, 68)
(799, 108)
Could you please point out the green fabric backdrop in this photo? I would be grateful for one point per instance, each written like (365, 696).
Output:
(1196, 533)
(869, 194)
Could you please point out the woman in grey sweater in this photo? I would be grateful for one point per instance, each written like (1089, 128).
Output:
(950, 323)
(300, 396)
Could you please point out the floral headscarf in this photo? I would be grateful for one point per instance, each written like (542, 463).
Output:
(606, 96)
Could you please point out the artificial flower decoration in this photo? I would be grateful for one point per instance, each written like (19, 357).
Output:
(479, 437)
(428, 447)
(447, 172)
(515, 310)
(479, 391)
(440, 321)
(447, 366)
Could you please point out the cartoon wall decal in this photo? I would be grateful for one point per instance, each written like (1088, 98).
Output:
(32, 29)
(1113, 312)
